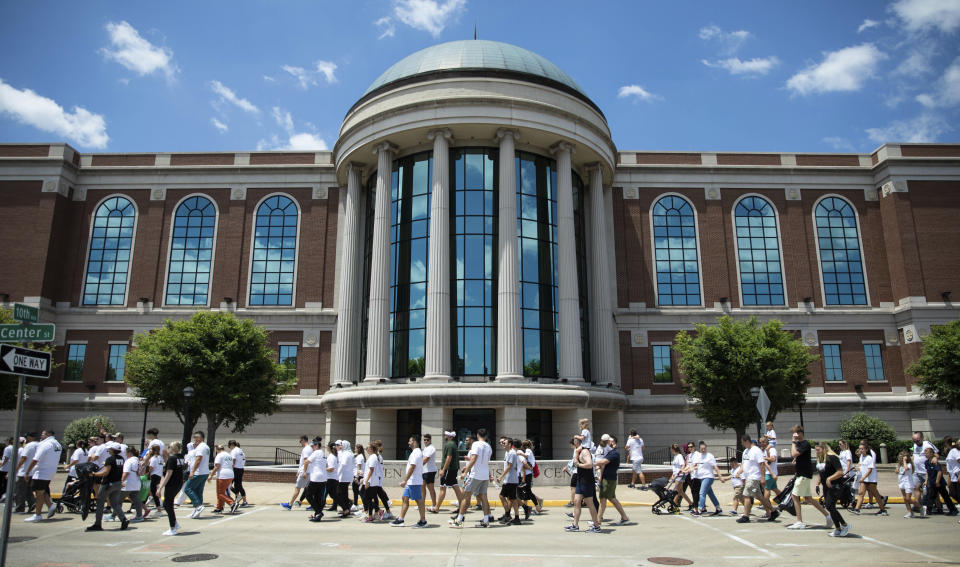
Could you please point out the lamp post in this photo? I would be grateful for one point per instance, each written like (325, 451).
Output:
(187, 396)
(143, 432)
(755, 393)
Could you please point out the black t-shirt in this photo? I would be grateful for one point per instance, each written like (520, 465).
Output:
(175, 465)
(830, 466)
(116, 468)
(804, 464)
(610, 469)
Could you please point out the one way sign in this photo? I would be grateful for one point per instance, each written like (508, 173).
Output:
(18, 360)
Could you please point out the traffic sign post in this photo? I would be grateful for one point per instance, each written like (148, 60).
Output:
(24, 361)
(763, 408)
(25, 313)
(35, 333)
(12, 476)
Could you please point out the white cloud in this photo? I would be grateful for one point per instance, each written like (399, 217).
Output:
(219, 125)
(428, 15)
(137, 54)
(729, 42)
(839, 144)
(919, 15)
(295, 141)
(327, 68)
(843, 70)
(638, 92)
(736, 66)
(947, 89)
(915, 65)
(307, 78)
(926, 100)
(227, 94)
(386, 24)
(867, 24)
(301, 74)
(27, 107)
(924, 128)
(269, 79)
(123, 81)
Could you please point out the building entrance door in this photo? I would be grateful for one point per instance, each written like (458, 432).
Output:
(467, 421)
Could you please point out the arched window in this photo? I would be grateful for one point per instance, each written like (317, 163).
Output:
(758, 248)
(675, 247)
(274, 252)
(841, 261)
(108, 263)
(191, 252)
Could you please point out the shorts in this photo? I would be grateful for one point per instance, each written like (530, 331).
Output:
(430, 477)
(573, 480)
(907, 487)
(769, 482)
(38, 485)
(477, 486)
(753, 489)
(587, 489)
(738, 492)
(608, 488)
(801, 487)
(509, 491)
(449, 478)
(302, 482)
(637, 466)
(412, 491)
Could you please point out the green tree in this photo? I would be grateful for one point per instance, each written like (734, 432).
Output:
(722, 362)
(860, 426)
(938, 368)
(226, 360)
(87, 427)
(8, 382)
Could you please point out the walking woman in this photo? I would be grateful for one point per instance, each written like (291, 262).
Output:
(332, 477)
(384, 499)
(239, 463)
(678, 477)
(130, 482)
(154, 466)
(171, 483)
(527, 447)
(953, 467)
(359, 459)
(830, 477)
(905, 480)
(846, 463)
(315, 471)
(223, 472)
(372, 484)
(868, 479)
(707, 472)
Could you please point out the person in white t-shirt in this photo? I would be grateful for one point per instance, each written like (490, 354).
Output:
(23, 492)
(78, 457)
(239, 464)
(412, 484)
(302, 481)
(690, 469)
(199, 470)
(868, 479)
(153, 463)
(920, 445)
(754, 466)
(635, 455)
(130, 484)
(771, 434)
(223, 472)
(531, 473)
(736, 482)
(359, 459)
(478, 477)
(430, 469)
(953, 466)
(188, 463)
(509, 480)
(586, 439)
(153, 441)
(41, 471)
(5, 465)
(345, 466)
(315, 471)
(770, 488)
(373, 484)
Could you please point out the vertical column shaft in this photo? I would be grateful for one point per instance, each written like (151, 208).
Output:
(437, 363)
(571, 355)
(378, 329)
(509, 353)
(346, 367)
(602, 353)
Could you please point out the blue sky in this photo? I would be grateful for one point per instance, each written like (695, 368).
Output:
(246, 75)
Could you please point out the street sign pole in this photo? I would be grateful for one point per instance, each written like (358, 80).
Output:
(11, 477)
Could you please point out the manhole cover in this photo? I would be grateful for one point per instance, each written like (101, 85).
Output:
(200, 557)
(669, 561)
(20, 539)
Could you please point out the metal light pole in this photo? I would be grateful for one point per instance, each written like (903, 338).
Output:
(187, 396)
(755, 393)
(12, 476)
(143, 432)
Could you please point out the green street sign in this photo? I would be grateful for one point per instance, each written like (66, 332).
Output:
(42, 333)
(25, 313)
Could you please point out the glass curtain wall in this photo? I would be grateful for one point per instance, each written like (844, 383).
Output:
(473, 226)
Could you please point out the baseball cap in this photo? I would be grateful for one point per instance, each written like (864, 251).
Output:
(605, 437)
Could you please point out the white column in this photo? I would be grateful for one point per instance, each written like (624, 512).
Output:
(437, 363)
(509, 352)
(602, 343)
(378, 328)
(346, 367)
(570, 355)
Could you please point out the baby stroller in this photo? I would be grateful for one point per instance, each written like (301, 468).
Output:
(664, 489)
(845, 493)
(76, 495)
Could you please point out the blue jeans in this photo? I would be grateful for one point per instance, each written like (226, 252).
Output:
(194, 489)
(706, 489)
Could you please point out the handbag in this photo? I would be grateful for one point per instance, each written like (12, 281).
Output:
(536, 470)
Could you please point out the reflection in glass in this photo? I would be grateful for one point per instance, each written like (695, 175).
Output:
(111, 240)
(840, 257)
(191, 252)
(675, 249)
(274, 252)
(758, 246)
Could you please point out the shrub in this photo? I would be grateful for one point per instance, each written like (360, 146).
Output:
(861, 426)
(87, 427)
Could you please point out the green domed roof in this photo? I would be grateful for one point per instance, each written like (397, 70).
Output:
(478, 55)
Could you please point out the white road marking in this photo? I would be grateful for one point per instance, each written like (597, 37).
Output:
(905, 549)
(731, 536)
(237, 516)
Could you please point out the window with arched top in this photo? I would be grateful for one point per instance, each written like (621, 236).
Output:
(191, 252)
(675, 252)
(273, 268)
(841, 260)
(108, 261)
(758, 252)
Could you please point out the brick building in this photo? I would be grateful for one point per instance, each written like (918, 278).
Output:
(552, 289)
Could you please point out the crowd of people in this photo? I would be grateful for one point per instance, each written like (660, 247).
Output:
(350, 479)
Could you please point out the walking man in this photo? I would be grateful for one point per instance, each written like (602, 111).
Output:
(111, 473)
(586, 488)
(609, 465)
(40, 471)
(448, 470)
(430, 469)
(314, 470)
(801, 482)
(199, 471)
(509, 480)
(302, 479)
(23, 493)
(635, 456)
(753, 466)
(477, 473)
(412, 484)
(920, 445)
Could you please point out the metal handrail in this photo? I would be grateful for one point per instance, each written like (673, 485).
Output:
(285, 457)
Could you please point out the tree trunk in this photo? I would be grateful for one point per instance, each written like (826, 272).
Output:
(212, 425)
(740, 433)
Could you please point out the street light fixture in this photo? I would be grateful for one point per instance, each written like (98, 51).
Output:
(188, 394)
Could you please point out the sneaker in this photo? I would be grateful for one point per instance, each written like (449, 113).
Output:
(569, 514)
(398, 523)
(885, 498)
(51, 512)
(855, 512)
(734, 513)
(147, 513)
(717, 512)
(315, 518)
(797, 526)
(136, 520)
(380, 515)
(124, 523)
(367, 519)
(483, 524)
(844, 530)
(286, 506)
(594, 530)
(478, 507)
(950, 513)
(568, 505)
(515, 522)
(923, 512)
(774, 515)
(170, 532)
(110, 518)
(34, 518)
(620, 522)
(199, 511)
(420, 524)
(882, 513)
(309, 508)
(571, 528)
(297, 503)
(743, 520)
(234, 506)
(94, 528)
(829, 523)
(386, 515)
(217, 511)
(631, 486)
(833, 533)
(244, 505)
(644, 487)
(695, 513)
(910, 515)
(526, 512)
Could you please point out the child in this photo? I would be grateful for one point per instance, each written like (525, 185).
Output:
(736, 481)
(905, 479)
(771, 435)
